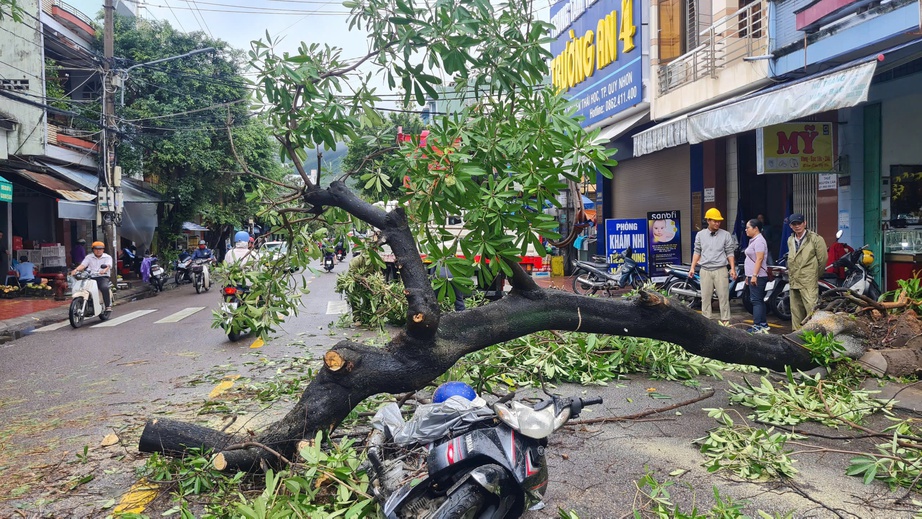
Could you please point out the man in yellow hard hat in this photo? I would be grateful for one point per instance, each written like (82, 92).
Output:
(713, 250)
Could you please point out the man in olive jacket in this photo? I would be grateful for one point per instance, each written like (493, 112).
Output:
(806, 262)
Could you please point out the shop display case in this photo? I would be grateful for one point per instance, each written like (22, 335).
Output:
(902, 255)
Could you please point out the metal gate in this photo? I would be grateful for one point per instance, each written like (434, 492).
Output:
(805, 187)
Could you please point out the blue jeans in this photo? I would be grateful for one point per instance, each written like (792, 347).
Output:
(757, 297)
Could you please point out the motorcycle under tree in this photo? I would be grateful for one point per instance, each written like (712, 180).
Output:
(493, 466)
(686, 288)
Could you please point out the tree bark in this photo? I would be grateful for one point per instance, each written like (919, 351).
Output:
(432, 343)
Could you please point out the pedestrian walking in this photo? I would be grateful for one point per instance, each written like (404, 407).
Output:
(756, 274)
(806, 262)
(714, 248)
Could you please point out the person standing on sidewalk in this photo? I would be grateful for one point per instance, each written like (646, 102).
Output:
(806, 262)
(757, 274)
(713, 250)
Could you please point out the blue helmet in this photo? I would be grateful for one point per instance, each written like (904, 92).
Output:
(241, 236)
(450, 389)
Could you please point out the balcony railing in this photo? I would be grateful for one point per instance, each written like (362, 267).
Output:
(726, 42)
(72, 138)
(69, 16)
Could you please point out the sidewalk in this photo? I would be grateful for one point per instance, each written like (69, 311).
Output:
(739, 317)
(22, 315)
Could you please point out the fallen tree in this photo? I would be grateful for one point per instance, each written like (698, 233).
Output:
(432, 342)
(515, 146)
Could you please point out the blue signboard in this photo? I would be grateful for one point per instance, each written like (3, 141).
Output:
(665, 241)
(621, 234)
(597, 55)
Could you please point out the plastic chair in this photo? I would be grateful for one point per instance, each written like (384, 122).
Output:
(11, 276)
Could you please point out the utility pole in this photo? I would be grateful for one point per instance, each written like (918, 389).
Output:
(109, 196)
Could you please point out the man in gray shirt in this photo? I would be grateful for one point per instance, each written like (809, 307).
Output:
(714, 251)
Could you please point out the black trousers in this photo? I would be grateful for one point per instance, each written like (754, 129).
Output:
(104, 283)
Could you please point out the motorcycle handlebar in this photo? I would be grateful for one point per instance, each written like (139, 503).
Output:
(591, 401)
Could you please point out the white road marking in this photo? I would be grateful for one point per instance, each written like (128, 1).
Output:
(180, 315)
(52, 327)
(123, 319)
(337, 307)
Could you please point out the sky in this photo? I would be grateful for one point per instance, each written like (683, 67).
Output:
(238, 22)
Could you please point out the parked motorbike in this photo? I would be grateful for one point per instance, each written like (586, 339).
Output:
(157, 274)
(86, 299)
(774, 293)
(686, 288)
(200, 275)
(182, 268)
(485, 465)
(591, 277)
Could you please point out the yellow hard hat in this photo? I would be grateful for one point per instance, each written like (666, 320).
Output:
(867, 258)
(713, 214)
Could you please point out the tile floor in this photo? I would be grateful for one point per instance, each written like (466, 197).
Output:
(10, 308)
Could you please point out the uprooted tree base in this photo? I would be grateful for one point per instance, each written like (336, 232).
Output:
(886, 338)
(431, 343)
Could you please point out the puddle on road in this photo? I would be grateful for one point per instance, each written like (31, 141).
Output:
(18, 334)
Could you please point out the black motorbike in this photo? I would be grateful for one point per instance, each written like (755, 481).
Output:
(686, 288)
(340, 252)
(590, 277)
(491, 465)
(182, 269)
(232, 296)
(328, 262)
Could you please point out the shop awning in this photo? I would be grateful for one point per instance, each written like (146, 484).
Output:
(67, 190)
(133, 191)
(787, 102)
(619, 128)
(6, 190)
(192, 226)
(76, 210)
(842, 87)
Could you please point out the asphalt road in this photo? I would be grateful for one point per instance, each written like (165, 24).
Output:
(63, 390)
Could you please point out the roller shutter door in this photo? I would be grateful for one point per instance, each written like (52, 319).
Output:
(657, 182)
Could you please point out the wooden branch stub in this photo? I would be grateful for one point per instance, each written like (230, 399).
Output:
(334, 361)
(219, 462)
(303, 444)
(418, 318)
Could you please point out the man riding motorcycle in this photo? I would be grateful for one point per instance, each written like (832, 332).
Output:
(202, 252)
(99, 264)
(241, 254)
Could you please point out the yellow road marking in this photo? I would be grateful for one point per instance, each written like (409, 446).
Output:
(138, 497)
(258, 343)
(224, 385)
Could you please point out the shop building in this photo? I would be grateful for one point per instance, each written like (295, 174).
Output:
(50, 100)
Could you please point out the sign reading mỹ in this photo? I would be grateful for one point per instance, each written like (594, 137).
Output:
(598, 61)
(796, 148)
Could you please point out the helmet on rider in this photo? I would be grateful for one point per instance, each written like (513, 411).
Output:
(241, 236)
(450, 389)
(98, 245)
(713, 214)
(201, 244)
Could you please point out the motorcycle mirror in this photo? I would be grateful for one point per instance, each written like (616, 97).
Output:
(839, 234)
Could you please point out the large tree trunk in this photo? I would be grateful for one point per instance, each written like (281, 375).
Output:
(432, 343)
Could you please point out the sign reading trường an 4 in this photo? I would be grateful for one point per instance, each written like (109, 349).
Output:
(598, 61)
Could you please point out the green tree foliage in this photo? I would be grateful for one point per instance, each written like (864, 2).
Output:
(179, 119)
(12, 9)
(367, 157)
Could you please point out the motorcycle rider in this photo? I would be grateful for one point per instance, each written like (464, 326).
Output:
(241, 254)
(202, 252)
(99, 263)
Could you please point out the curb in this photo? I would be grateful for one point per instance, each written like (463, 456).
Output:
(16, 327)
